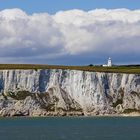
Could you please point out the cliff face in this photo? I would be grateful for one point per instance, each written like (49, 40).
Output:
(67, 92)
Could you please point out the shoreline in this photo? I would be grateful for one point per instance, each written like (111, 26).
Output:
(77, 116)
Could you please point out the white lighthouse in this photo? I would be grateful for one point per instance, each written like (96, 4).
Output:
(109, 63)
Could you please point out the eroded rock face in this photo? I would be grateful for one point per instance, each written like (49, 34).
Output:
(67, 92)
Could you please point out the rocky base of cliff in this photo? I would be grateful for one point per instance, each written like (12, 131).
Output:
(23, 103)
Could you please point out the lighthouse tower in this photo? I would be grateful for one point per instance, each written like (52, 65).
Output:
(109, 64)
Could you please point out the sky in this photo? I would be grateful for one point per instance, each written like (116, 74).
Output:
(53, 6)
(70, 32)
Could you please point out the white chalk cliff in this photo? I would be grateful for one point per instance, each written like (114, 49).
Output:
(67, 92)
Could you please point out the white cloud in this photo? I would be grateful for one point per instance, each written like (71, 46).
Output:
(99, 32)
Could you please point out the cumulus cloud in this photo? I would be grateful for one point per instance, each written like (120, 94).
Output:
(78, 34)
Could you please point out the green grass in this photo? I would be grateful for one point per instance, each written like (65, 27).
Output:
(114, 69)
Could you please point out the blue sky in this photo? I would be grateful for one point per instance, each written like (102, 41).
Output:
(52, 6)
(70, 37)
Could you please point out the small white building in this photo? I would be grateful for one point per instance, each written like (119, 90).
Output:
(109, 63)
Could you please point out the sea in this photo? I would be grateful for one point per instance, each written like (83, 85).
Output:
(70, 128)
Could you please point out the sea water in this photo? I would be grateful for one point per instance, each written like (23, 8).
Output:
(70, 128)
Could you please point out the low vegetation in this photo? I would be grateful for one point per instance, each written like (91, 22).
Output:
(19, 95)
(134, 69)
(119, 101)
(128, 111)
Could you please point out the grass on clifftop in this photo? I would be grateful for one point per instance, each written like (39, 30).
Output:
(133, 69)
